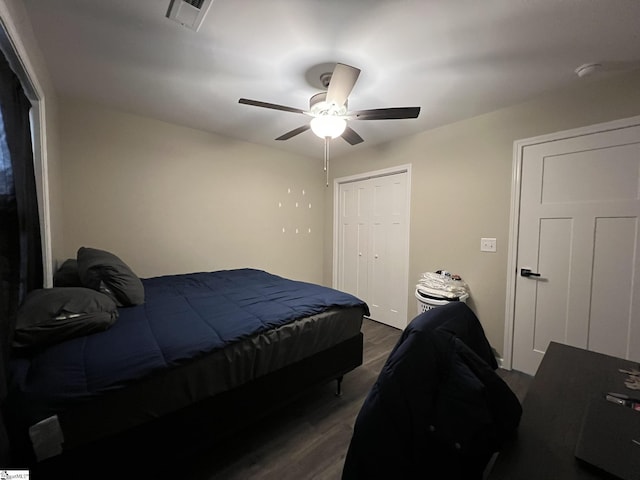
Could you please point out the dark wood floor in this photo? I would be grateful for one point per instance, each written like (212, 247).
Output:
(308, 439)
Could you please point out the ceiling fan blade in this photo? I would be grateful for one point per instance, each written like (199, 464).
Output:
(294, 132)
(351, 136)
(343, 79)
(273, 106)
(386, 113)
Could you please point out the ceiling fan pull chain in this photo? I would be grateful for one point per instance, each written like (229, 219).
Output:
(326, 158)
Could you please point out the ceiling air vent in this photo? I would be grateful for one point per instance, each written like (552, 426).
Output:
(189, 13)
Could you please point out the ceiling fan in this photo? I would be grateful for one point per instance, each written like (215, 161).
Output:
(330, 113)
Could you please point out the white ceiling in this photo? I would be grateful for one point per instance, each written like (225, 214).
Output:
(453, 58)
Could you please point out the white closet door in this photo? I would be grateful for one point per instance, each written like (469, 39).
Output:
(353, 269)
(372, 248)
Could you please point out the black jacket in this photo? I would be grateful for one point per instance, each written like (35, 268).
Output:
(438, 408)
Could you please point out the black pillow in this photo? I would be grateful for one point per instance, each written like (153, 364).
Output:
(52, 315)
(67, 275)
(105, 272)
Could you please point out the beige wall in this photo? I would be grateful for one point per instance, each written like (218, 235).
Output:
(461, 185)
(18, 27)
(169, 199)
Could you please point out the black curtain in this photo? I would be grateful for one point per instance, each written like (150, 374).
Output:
(20, 244)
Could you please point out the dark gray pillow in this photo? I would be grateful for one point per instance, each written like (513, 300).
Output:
(52, 315)
(105, 272)
(67, 274)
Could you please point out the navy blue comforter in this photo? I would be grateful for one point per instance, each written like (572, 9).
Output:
(183, 317)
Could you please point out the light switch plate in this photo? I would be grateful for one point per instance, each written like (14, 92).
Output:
(487, 244)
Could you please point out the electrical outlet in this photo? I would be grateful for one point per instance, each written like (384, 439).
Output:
(487, 244)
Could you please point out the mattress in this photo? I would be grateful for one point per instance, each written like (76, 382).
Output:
(195, 336)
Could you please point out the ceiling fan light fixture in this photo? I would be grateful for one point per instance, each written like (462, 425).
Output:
(328, 126)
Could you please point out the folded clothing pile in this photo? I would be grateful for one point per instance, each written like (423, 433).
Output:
(442, 285)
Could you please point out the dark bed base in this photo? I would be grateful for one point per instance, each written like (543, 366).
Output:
(208, 421)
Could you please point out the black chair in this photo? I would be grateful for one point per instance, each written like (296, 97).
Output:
(438, 408)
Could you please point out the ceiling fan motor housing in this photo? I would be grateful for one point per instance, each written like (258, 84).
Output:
(318, 106)
(325, 78)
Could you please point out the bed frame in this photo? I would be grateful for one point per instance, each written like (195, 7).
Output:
(205, 423)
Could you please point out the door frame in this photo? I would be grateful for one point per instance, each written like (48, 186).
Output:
(336, 220)
(514, 222)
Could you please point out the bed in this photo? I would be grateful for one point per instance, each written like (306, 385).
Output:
(203, 353)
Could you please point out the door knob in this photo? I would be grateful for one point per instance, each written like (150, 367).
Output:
(526, 272)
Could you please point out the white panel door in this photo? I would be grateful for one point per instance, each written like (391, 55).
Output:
(388, 300)
(372, 245)
(353, 267)
(578, 235)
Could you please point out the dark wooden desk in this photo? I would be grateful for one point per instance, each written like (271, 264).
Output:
(552, 415)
